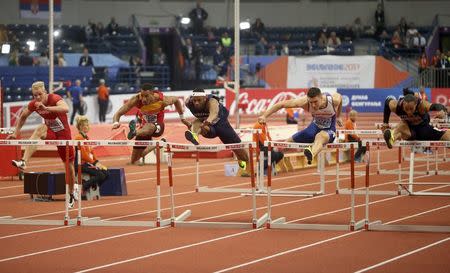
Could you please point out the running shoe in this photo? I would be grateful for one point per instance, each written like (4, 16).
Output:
(243, 167)
(192, 137)
(132, 132)
(308, 154)
(19, 164)
(389, 138)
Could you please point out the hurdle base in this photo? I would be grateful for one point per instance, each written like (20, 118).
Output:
(286, 193)
(233, 225)
(327, 227)
(373, 192)
(223, 190)
(342, 173)
(97, 221)
(379, 226)
(9, 220)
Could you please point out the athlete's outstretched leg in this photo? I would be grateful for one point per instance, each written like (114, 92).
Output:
(320, 140)
(39, 133)
(144, 133)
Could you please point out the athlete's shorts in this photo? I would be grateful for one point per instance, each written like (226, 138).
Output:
(308, 134)
(158, 132)
(61, 135)
(224, 131)
(425, 132)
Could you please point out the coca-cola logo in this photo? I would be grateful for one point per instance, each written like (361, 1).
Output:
(259, 105)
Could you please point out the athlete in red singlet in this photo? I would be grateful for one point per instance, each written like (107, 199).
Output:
(151, 104)
(53, 109)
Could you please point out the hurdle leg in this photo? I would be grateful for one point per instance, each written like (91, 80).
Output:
(269, 185)
(399, 169)
(66, 214)
(411, 172)
(428, 162)
(436, 168)
(261, 171)
(322, 172)
(337, 171)
(158, 184)
(197, 171)
(80, 184)
(366, 224)
(352, 182)
(172, 197)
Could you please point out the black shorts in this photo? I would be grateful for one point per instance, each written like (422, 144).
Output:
(425, 132)
(224, 131)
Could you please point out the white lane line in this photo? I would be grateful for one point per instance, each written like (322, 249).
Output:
(403, 255)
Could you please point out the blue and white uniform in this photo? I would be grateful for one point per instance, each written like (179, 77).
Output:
(220, 127)
(324, 119)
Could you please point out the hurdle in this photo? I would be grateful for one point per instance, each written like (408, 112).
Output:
(280, 223)
(94, 221)
(178, 222)
(9, 220)
(259, 170)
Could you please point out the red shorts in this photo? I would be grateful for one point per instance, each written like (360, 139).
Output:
(61, 135)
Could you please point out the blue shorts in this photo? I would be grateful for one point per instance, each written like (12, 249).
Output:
(308, 134)
(224, 131)
(425, 132)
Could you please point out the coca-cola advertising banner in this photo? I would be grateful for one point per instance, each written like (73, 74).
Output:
(441, 95)
(256, 100)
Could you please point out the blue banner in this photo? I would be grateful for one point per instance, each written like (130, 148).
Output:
(367, 100)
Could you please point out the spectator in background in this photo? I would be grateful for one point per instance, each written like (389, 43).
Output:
(333, 41)
(396, 40)
(410, 34)
(418, 41)
(189, 53)
(90, 30)
(258, 27)
(350, 124)
(100, 30)
(219, 61)
(199, 61)
(357, 27)
(436, 58)
(60, 59)
(347, 33)
(284, 50)
(260, 47)
(112, 27)
(323, 41)
(135, 68)
(309, 47)
(210, 34)
(25, 59)
(226, 44)
(323, 30)
(43, 59)
(198, 15)
(159, 58)
(272, 50)
(75, 93)
(14, 58)
(379, 20)
(403, 28)
(290, 117)
(89, 162)
(423, 62)
(86, 60)
(3, 34)
(443, 62)
(102, 98)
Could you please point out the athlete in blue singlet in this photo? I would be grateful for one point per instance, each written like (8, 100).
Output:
(415, 120)
(325, 110)
(211, 122)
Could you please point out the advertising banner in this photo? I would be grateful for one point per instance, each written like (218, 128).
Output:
(331, 71)
(367, 100)
(441, 95)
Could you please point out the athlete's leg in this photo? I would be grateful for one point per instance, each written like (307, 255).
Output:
(446, 136)
(39, 133)
(192, 134)
(401, 132)
(143, 133)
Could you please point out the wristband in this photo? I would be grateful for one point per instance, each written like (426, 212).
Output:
(181, 116)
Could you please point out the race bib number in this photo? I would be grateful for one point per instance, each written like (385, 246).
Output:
(55, 125)
(150, 118)
(322, 122)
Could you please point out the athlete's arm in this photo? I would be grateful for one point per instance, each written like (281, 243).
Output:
(171, 100)
(337, 101)
(123, 110)
(60, 107)
(23, 117)
(295, 103)
(389, 105)
(213, 107)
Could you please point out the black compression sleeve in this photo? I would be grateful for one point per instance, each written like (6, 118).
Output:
(387, 110)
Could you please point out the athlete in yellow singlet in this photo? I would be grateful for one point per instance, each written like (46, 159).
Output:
(151, 104)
